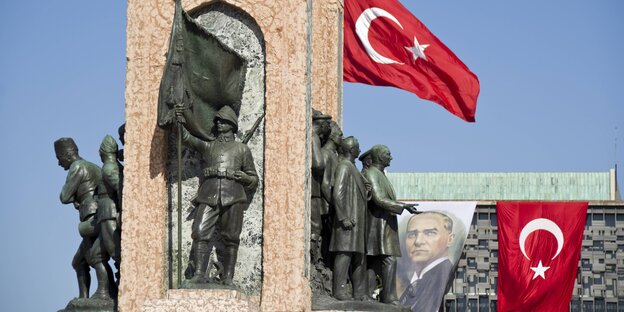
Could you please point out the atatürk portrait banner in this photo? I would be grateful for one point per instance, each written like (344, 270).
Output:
(431, 245)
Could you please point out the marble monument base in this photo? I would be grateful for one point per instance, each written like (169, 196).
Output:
(179, 300)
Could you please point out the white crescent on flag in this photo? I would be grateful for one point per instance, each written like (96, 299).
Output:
(541, 224)
(362, 25)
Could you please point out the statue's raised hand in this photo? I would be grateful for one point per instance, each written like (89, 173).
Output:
(180, 112)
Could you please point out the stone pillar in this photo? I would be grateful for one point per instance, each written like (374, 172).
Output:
(293, 84)
(327, 57)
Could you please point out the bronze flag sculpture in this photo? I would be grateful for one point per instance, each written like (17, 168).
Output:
(201, 74)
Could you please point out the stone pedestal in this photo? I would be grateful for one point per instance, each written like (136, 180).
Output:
(301, 70)
(203, 300)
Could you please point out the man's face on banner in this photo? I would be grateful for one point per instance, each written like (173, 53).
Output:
(427, 238)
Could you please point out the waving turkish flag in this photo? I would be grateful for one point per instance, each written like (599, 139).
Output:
(385, 45)
(539, 246)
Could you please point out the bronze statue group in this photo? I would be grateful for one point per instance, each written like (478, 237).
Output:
(354, 232)
(96, 193)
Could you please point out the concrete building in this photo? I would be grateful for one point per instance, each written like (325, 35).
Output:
(600, 277)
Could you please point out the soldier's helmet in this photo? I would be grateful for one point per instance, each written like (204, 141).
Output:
(228, 114)
(65, 146)
(108, 145)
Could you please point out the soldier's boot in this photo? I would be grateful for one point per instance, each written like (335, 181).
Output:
(84, 282)
(103, 289)
(202, 256)
(229, 263)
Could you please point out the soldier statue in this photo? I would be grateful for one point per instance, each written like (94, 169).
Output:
(228, 172)
(382, 243)
(109, 203)
(349, 227)
(82, 188)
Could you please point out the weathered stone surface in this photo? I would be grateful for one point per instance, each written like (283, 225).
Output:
(203, 300)
(327, 57)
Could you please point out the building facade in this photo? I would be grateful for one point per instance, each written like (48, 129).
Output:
(600, 276)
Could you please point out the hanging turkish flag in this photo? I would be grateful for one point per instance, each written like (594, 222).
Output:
(385, 45)
(539, 246)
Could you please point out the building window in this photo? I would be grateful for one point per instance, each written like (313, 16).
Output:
(493, 221)
(483, 243)
(598, 245)
(472, 305)
(610, 219)
(471, 262)
(483, 303)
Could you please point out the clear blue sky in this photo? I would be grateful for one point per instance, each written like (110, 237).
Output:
(550, 72)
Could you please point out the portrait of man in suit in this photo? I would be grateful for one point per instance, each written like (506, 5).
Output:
(428, 238)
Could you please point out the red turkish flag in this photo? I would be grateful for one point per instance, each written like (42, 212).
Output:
(539, 246)
(385, 45)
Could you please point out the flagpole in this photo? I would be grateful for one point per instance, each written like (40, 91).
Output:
(179, 269)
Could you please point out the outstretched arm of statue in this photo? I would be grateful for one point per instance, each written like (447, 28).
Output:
(381, 199)
(411, 208)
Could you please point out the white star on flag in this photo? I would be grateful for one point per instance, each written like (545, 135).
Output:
(418, 50)
(539, 270)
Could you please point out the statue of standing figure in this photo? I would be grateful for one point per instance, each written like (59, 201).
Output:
(229, 172)
(330, 155)
(382, 241)
(83, 187)
(348, 241)
(109, 202)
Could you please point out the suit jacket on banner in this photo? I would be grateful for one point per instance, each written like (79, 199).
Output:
(425, 294)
